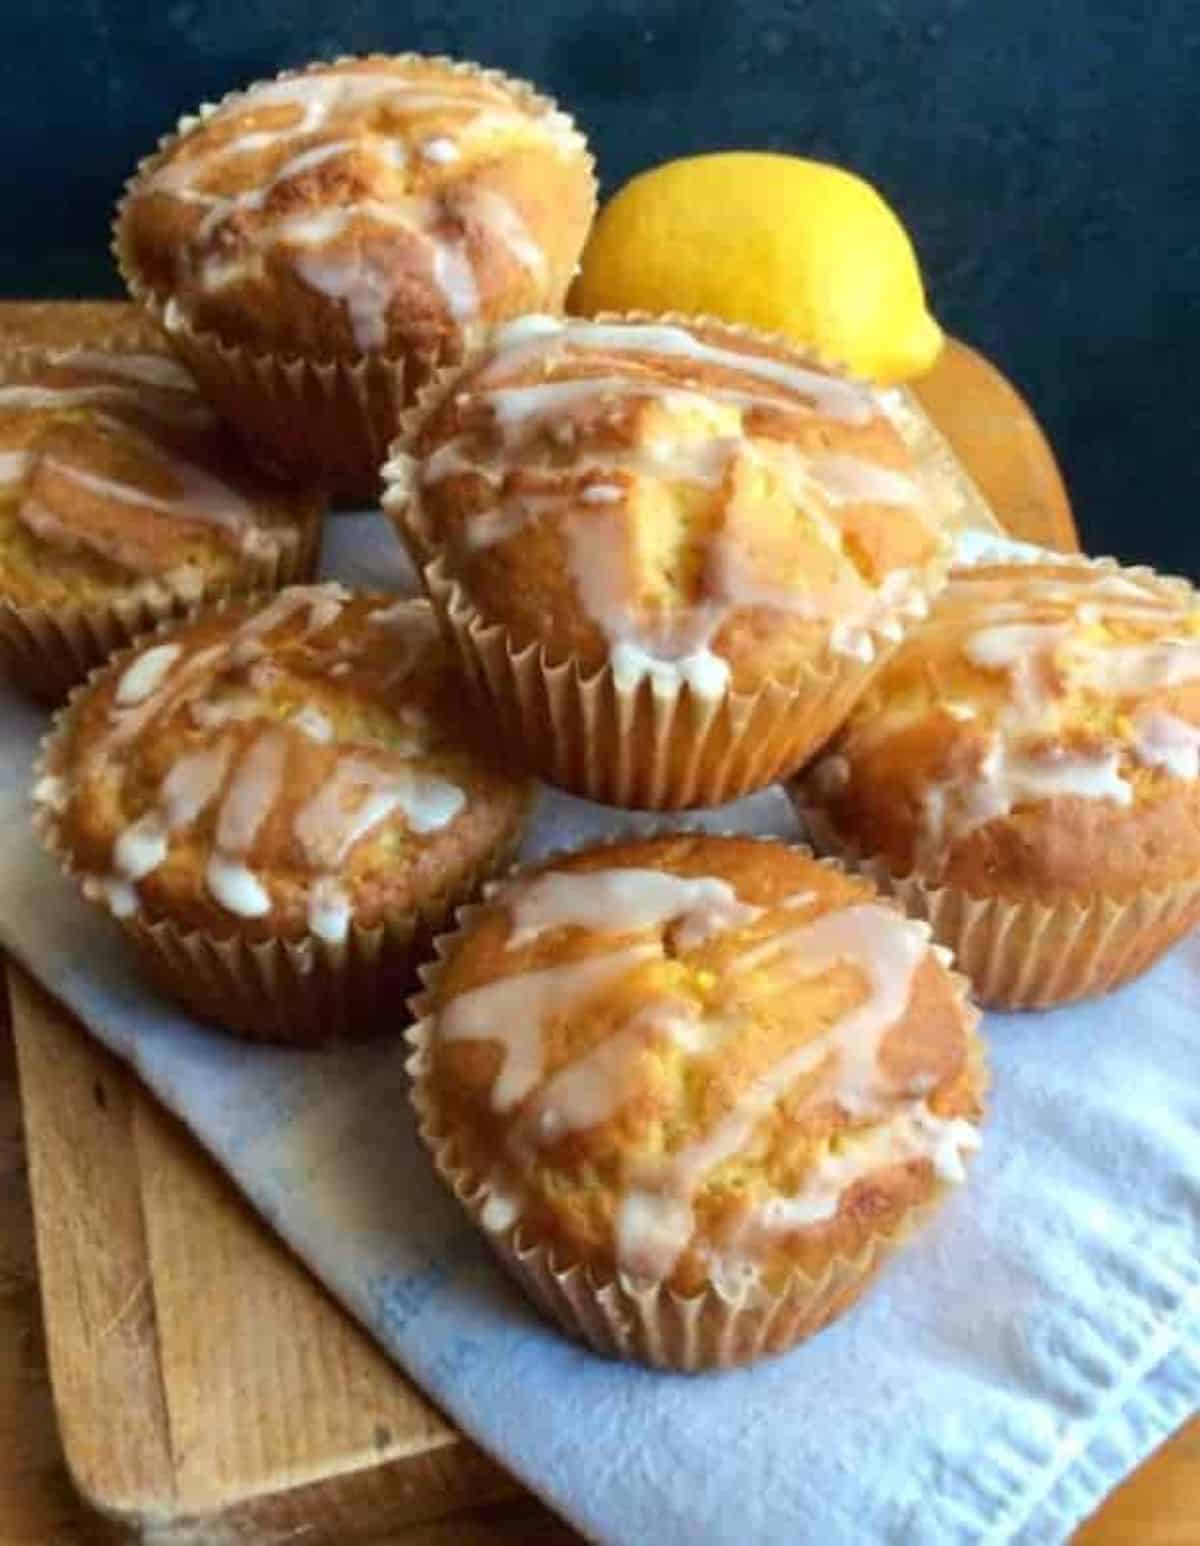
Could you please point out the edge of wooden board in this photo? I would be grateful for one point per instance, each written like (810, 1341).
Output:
(219, 1421)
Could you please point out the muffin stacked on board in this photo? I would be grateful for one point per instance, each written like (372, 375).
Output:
(693, 1090)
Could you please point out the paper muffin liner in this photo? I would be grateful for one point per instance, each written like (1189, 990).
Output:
(648, 746)
(47, 648)
(303, 992)
(1027, 953)
(325, 421)
(647, 1322)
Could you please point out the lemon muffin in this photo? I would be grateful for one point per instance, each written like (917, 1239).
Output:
(1024, 773)
(694, 1089)
(673, 551)
(278, 804)
(124, 502)
(315, 245)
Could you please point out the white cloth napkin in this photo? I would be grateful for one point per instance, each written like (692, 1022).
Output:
(1022, 1354)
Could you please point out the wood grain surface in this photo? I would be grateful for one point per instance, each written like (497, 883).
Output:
(1001, 444)
(258, 1411)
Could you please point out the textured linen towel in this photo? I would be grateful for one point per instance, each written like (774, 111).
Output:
(1016, 1360)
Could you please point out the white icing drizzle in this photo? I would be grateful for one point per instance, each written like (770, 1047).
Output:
(365, 290)
(105, 393)
(655, 1217)
(145, 674)
(593, 1088)
(359, 794)
(202, 497)
(310, 721)
(1131, 669)
(113, 892)
(454, 276)
(702, 446)
(515, 1011)
(329, 911)
(440, 149)
(235, 886)
(1165, 741)
(911, 1132)
(249, 797)
(355, 797)
(1008, 777)
(678, 655)
(1053, 635)
(625, 900)
(365, 284)
(193, 783)
(199, 495)
(1010, 645)
(837, 398)
(13, 466)
(854, 480)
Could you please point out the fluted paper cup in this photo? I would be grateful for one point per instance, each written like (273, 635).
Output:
(1026, 952)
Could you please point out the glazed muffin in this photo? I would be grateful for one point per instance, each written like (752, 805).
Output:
(123, 502)
(317, 244)
(279, 804)
(673, 551)
(1024, 773)
(694, 1090)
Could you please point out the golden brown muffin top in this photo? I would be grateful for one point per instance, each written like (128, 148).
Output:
(375, 203)
(685, 500)
(1039, 733)
(117, 479)
(278, 771)
(699, 1059)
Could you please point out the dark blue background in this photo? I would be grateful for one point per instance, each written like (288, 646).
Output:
(1046, 157)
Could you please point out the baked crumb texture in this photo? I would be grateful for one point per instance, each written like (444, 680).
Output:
(370, 210)
(291, 788)
(124, 501)
(689, 519)
(697, 1070)
(1035, 743)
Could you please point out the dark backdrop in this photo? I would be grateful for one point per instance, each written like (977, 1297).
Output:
(1044, 153)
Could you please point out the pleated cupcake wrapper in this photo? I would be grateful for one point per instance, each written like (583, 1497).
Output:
(621, 1317)
(1027, 953)
(643, 746)
(304, 992)
(322, 421)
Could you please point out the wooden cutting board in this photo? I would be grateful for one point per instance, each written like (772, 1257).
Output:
(208, 1390)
